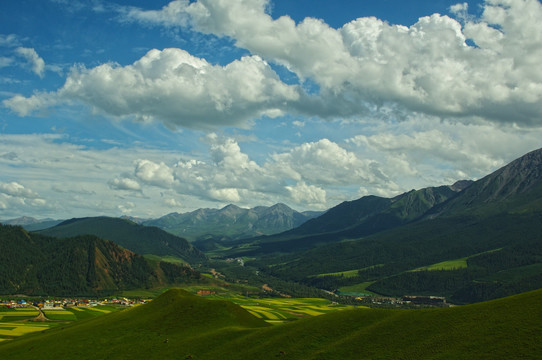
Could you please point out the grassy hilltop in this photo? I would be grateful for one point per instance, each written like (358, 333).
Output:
(178, 325)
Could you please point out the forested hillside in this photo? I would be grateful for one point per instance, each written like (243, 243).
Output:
(34, 264)
(488, 238)
(137, 238)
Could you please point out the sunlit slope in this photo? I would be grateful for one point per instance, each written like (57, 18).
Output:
(170, 327)
(179, 326)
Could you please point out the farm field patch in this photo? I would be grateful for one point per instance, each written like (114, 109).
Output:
(16, 322)
(280, 310)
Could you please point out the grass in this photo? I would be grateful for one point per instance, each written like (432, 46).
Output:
(178, 325)
(166, 258)
(60, 314)
(348, 273)
(446, 265)
(358, 289)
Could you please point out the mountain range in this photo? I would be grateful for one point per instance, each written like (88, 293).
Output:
(487, 235)
(232, 222)
(470, 241)
(207, 225)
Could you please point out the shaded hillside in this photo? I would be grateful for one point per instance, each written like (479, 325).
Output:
(34, 264)
(500, 215)
(231, 222)
(365, 216)
(137, 238)
(181, 326)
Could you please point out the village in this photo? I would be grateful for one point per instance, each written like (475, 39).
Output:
(51, 304)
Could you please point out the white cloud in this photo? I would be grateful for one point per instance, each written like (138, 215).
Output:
(158, 174)
(172, 14)
(10, 40)
(174, 203)
(324, 162)
(426, 67)
(16, 195)
(228, 195)
(36, 63)
(422, 151)
(5, 61)
(310, 195)
(17, 190)
(25, 106)
(176, 88)
(124, 183)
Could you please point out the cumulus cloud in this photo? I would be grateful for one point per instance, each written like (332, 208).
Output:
(16, 195)
(24, 106)
(308, 194)
(34, 61)
(325, 162)
(232, 177)
(176, 88)
(430, 67)
(124, 183)
(158, 174)
(427, 67)
(17, 190)
(228, 195)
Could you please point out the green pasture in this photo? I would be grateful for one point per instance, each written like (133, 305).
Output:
(357, 289)
(446, 265)
(59, 314)
(347, 273)
(166, 258)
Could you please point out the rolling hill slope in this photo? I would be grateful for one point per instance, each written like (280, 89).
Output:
(178, 325)
(137, 238)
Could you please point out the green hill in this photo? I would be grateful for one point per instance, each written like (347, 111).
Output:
(178, 325)
(137, 238)
(34, 264)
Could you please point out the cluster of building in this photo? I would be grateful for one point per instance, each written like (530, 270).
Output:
(405, 301)
(57, 303)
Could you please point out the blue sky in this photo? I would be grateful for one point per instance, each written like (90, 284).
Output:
(145, 108)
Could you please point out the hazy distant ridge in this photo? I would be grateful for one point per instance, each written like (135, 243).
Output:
(232, 221)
